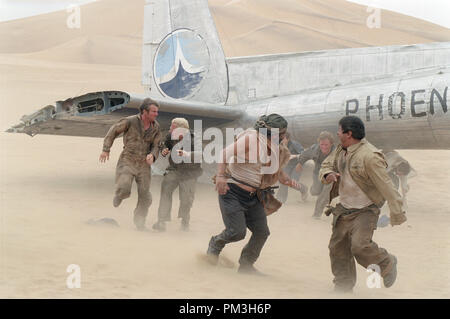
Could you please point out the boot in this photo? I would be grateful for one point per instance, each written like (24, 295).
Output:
(139, 221)
(342, 290)
(249, 269)
(159, 226)
(391, 276)
(212, 255)
(116, 201)
(304, 192)
(184, 225)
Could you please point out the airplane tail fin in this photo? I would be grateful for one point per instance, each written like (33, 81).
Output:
(182, 57)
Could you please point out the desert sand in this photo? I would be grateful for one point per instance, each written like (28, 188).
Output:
(51, 185)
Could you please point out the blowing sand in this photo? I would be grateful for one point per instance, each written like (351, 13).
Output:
(51, 185)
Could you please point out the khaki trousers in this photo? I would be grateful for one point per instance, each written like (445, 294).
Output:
(126, 172)
(186, 187)
(352, 239)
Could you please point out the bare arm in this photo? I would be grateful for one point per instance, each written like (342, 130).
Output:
(284, 179)
(228, 154)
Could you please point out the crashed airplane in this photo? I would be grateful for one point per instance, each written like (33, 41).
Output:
(400, 92)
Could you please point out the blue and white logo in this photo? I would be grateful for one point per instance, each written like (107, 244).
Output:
(181, 63)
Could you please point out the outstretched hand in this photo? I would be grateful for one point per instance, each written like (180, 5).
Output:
(294, 184)
(150, 159)
(398, 219)
(332, 177)
(104, 156)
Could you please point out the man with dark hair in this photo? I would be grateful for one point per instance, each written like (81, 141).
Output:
(353, 124)
(249, 167)
(141, 137)
(317, 153)
(358, 173)
(294, 148)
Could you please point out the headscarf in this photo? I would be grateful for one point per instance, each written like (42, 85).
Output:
(272, 121)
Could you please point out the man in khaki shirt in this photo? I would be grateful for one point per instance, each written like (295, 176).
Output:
(141, 138)
(358, 173)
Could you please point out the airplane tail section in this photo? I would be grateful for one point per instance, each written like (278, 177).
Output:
(182, 57)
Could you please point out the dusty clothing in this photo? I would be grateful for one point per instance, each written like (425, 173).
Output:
(241, 209)
(245, 167)
(256, 169)
(182, 175)
(295, 148)
(394, 160)
(352, 239)
(367, 169)
(323, 198)
(314, 153)
(353, 226)
(132, 165)
(125, 173)
(188, 164)
(317, 189)
(187, 184)
(137, 142)
(351, 196)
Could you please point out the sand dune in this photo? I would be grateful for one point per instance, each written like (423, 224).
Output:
(51, 185)
(291, 26)
(94, 50)
(102, 18)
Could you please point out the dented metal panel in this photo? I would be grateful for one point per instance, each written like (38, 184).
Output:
(283, 74)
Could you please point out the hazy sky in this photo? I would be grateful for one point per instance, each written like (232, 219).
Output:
(436, 11)
(15, 9)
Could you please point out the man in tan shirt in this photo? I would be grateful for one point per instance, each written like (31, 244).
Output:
(358, 173)
(141, 138)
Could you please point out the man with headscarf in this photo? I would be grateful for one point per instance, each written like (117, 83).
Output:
(249, 167)
(141, 137)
